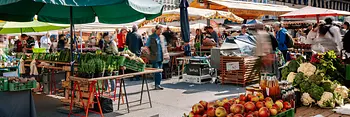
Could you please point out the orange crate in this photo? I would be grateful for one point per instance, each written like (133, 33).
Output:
(244, 75)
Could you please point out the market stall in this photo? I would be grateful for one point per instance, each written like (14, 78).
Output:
(246, 10)
(309, 11)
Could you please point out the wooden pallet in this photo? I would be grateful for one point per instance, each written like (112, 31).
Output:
(246, 74)
(84, 88)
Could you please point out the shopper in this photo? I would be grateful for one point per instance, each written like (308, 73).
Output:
(324, 43)
(168, 34)
(122, 38)
(30, 44)
(333, 32)
(214, 35)
(346, 27)
(61, 42)
(45, 41)
(313, 34)
(281, 36)
(154, 47)
(308, 29)
(101, 44)
(244, 30)
(199, 36)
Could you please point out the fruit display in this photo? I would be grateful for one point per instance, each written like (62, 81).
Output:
(320, 81)
(244, 106)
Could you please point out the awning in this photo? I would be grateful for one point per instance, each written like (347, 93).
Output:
(309, 11)
(249, 9)
(197, 13)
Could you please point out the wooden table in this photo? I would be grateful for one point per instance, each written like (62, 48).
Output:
(92, 88)
(312, 111)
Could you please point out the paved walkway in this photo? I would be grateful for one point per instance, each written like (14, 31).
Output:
(176, 98)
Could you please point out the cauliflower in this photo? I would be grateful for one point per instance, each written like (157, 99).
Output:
(342, 90)
(307, 68)
(291, 76)
(327, 100)
(338, 98)
(306, 99)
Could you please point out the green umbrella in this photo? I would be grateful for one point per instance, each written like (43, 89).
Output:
(7, 27)
(83, 11)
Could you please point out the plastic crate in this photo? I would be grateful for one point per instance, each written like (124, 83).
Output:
(134, 65)
(22, 86)
(4, 84)
(39, 50)
(288, 113)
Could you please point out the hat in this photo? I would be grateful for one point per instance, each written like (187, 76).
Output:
(244, 26)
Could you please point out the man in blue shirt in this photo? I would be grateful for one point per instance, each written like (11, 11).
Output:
(154, 46)
(281, 35)
(214, 35)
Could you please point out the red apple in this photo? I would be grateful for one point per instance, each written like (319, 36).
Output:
(211, 112)
(197, 116)
(264, 112)
(198, 109)
(242, 97)
(236, 101)
(191, 114)
(268, 104)
(275, 106)
(205, 115)
(238, 115)
(250, 115)
(273, 111)
(241, 102)
(268, 99)
(259, 105)
(279, 103)
(287, 105)
(230, 115)
(260, 96)
(212, 104)
(283, 109)
(249, 106)
(227, 106)
(254, 99)
(204, 103)
(249, 96)
(225, 100)
(219, 103)
(256, 113)
(220, 112)
(237, 109)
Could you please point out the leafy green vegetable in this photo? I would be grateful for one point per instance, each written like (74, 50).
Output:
(285, 72)
(299, 78)
(293, 66)
(315, 91)
(305, 86)
(317, 79)
(328, 86)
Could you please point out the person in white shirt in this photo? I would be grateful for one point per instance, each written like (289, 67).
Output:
(45, 41)
(333, 33)
(313, 34)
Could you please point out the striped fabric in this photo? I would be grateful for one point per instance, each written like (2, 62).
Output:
(329, 4)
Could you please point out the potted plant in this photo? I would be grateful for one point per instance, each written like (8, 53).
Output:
(99, 67)
(90, 68)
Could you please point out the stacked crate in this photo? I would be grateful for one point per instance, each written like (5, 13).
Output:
(244, 75)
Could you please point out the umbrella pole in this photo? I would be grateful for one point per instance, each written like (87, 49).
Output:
(71, 48)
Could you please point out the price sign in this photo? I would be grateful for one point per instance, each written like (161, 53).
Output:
(232, 66)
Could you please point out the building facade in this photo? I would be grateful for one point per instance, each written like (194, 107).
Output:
(343, 5)
(169, 4)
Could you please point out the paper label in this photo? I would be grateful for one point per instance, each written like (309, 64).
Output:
(232, 66)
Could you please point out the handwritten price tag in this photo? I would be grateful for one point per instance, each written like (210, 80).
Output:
(232, 66)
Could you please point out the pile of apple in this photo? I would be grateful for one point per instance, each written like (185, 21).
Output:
(244, 106)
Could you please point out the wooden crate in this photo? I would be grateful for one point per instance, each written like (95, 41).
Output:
(84, 88)
(244, 75)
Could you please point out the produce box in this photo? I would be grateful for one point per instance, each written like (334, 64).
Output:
(4, 84)
(238, 70)
(39, 50)
(288, 113)
(22, 86)
(134, 65)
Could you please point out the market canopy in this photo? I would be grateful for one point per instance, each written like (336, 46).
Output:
(198, 13)
(246, 10)
(309, 11)
(7, 27)
(58, 11)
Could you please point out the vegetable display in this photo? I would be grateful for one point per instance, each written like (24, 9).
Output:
(319, 81)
